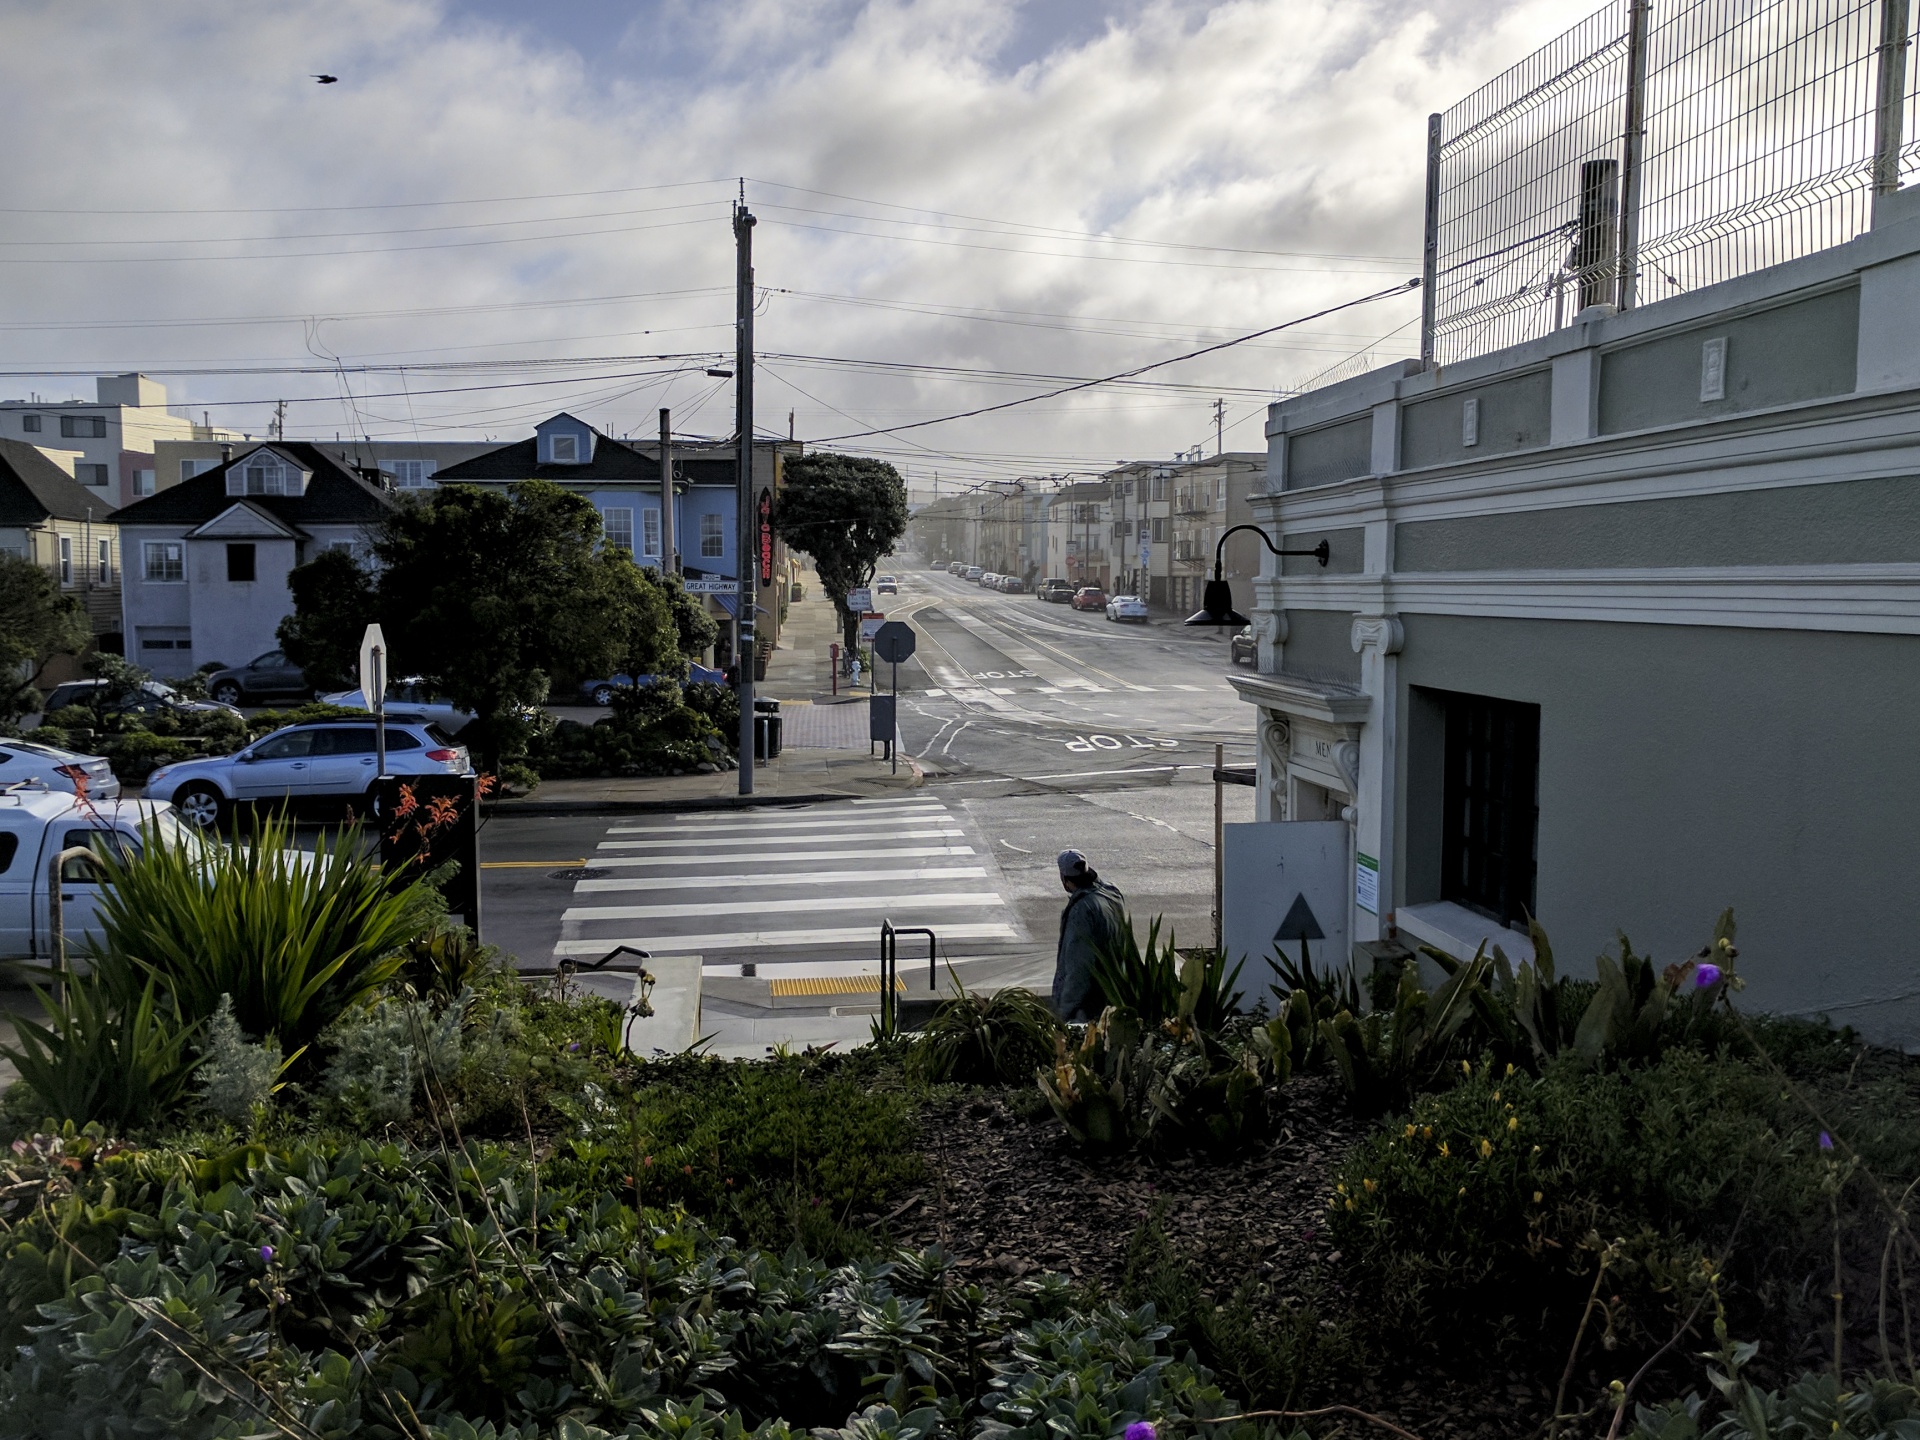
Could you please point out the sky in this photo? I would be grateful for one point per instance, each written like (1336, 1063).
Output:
(502, 210)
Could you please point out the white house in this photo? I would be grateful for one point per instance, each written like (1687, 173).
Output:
(205, 578)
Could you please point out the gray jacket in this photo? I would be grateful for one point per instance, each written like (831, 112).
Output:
(1092, 921)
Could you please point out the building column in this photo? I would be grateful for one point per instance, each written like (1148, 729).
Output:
(1375, 768)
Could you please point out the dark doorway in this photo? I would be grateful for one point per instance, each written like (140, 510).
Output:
(1492, 805)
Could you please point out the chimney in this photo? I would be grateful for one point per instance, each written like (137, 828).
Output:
(226, 454)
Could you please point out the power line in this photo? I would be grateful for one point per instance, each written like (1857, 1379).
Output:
(387, 205)
(1137, 370)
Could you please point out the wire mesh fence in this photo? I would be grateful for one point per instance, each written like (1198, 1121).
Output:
(1762, 137)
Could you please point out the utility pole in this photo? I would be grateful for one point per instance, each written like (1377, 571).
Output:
(280, 420)
(669, 544)
(1219, 427)
(743, 650)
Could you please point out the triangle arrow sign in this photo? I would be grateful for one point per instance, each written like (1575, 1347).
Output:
(1300, 923)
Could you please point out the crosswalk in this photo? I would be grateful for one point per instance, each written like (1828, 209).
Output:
(803, 889)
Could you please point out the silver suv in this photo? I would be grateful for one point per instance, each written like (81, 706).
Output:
(324, 762)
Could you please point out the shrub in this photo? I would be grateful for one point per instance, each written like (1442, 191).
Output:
(977, 1039)
(386, 1054)
(1489, 1194)
(720, 704)
(1156, 984)
(237, 1077)
(120, 1060)
(293, 937)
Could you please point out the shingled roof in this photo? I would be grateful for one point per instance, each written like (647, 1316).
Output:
(34, 490)
(612, 460)
(336, 494)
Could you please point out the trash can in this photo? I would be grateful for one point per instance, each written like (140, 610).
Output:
(766, 729)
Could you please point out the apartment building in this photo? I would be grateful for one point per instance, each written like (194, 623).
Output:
(107, 445)
(1168, 517)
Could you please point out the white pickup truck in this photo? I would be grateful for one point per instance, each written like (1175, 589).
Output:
(36, 824)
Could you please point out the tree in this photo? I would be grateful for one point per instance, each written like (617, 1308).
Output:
(846, 511)
(697, 629)
(489, 597)
(37, 622)
(333, 603)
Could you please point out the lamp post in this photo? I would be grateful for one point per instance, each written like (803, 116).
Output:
(1216, 605)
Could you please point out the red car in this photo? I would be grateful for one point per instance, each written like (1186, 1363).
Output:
(1089, 597)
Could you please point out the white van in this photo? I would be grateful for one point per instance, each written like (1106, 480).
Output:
(36, 824)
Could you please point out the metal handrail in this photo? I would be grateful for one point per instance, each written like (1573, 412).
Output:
(890, 969)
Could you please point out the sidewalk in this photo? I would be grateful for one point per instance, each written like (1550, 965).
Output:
(824, 747)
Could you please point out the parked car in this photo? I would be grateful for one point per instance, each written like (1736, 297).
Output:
(1057, 592)
(972, 572)
(1089, 597)
(1126, 607)
(36, 824)
(1012, 585)
(408, 701)
(1242, 647)
(601, 692)
(886, 585)
(956, 567)
(57, 769)
(151, 697)
(939, 569)
(266, 676)
(987, 579)
(323, 762)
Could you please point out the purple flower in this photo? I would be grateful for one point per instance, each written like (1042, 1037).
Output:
(574, 1046)
(1826, 1141)
(1706, 976)
(266, 1254)
(1141, 1430)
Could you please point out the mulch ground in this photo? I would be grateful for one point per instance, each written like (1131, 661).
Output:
(1008, 1195)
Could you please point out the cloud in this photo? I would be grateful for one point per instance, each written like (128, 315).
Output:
(1279, 132)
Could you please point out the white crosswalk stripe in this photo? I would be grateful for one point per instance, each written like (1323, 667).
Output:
(801, 891)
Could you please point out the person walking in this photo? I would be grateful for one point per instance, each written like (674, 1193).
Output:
(1092, 921)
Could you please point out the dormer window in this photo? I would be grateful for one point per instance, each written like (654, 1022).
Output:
(566, 449)
(264, 473)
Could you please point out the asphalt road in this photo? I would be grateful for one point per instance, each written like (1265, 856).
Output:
(1040, 730)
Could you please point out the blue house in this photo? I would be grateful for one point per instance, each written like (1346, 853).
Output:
(621, 479)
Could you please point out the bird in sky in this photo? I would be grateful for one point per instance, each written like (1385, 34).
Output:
(328, 79)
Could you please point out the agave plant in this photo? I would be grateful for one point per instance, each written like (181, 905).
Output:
(122, 1063)
(294, 937)
(979, 1039)
(1155, 985)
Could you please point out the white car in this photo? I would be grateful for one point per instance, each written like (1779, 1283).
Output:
(408, 701)
(36, 824)
(58, 769)
(887, 585)
(329, 762)
(1126, 607)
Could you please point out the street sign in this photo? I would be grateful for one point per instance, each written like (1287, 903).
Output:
(766, 537)
(893, 642)
(860, 601)
(1287, 883)
(870, 626)
(713, 585)
(1146, 553)
(373, 667)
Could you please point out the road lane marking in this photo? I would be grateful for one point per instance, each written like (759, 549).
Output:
(824, 905)
(758, 878)
(766, 939)
(915, 832)
(530, 864)
(901, 852)
(932, 814)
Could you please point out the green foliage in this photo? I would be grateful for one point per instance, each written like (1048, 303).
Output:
(438, 966)
(105, 1056)
(237, 1077)
(1156, 985)
(720, 704)
(846, 511)
(695, 628)
(387, 1054)
(1490, 1194)
(37, 622)
(1269, 1349)
(351, 1289)
(1171, 1087)
(333, 603)
(1385, 1056)
(293, 937)
(986, 1039)
(639, 741)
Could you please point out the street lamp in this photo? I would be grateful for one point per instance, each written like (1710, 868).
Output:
(1216, 604)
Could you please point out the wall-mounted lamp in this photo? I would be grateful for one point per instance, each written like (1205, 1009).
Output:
(1216, 603)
